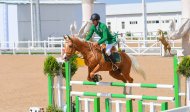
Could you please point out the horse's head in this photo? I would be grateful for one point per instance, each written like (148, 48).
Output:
(159, 32)
(70, 47)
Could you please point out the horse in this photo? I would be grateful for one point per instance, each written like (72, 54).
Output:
(95, 61)
(163, 40)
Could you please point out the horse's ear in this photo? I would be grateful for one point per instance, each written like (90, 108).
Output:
(64, 37)
(69, 38)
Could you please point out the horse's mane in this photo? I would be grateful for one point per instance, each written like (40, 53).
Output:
(85, 44)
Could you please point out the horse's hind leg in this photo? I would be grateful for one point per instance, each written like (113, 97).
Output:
(117, 75)
(126, 75)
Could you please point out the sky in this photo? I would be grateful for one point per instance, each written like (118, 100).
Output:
(129, 1)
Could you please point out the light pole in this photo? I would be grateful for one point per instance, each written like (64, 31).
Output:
(32, 22)
(144, 21)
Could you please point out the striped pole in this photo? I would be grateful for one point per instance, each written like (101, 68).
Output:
(140, 97)
(121, 84)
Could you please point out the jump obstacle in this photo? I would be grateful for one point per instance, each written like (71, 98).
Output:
(69, 93)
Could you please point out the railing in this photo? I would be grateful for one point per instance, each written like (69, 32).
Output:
(29, 47)
(147, 47)
(135, 47)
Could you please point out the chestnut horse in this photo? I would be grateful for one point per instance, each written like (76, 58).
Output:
(95, 61)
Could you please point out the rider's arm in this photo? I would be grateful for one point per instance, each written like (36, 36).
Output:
(105, 35)
(89, 35)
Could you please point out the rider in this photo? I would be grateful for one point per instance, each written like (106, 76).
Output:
(104, 33)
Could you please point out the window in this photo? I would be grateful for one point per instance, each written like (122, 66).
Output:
(109, 25)
(123, 25)
(133, 22)
(148, 22)
(167, 21)
(153, 21)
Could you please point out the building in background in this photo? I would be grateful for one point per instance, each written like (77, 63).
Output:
(55, 16)
(128, 17)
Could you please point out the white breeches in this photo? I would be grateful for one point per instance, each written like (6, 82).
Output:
(108, 48)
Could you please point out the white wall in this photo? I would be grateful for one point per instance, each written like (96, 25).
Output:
(8, 24)
(117, 19)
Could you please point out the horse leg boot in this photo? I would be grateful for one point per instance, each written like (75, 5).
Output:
(92, 74)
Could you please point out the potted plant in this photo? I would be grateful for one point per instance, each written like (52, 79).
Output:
(52, 69)
(184, 69)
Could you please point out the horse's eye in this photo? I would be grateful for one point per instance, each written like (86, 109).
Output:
(70, 46)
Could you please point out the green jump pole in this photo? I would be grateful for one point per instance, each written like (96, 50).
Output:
(140, 106)
(129, 106)
(50, 90)
(68, 87)
(164, 106)
(77, 104)
(108, 105)
(176, 83)
(97, 104)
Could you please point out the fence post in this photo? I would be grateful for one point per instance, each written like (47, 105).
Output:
(107, 105)
(140, 106)
(50, 90)
(152, 107)
(14, 48)
(176, 82)
(59, 88)
(68, 87)
(129, 106)
(61, 47)
(77, 104)
(118, 107)
(29, 51)
(164, 106)
(97, 104)
(0, 48)
(45, 51)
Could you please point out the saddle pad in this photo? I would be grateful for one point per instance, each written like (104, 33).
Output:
(116, 55)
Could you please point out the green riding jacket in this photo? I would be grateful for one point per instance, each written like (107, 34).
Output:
(103, 32)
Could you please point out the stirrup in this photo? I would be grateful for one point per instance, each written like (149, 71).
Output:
(114, 67)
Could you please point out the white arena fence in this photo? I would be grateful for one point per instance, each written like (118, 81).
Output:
(56, 44)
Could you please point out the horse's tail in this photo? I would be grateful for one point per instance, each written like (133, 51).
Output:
(136, 66)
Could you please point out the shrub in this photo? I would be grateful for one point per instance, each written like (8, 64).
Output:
(73, 65)
(184, 67)
(51, 66)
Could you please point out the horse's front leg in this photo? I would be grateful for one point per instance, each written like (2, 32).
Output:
(89, 71)
(95, 70)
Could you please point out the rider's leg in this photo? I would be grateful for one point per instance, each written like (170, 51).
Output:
(108, 49)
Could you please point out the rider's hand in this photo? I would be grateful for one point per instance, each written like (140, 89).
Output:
(95, 44)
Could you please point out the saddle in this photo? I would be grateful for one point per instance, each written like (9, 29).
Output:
(114, 57)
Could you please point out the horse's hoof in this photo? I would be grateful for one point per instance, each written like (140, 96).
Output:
(97, 78)
(89, 79)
